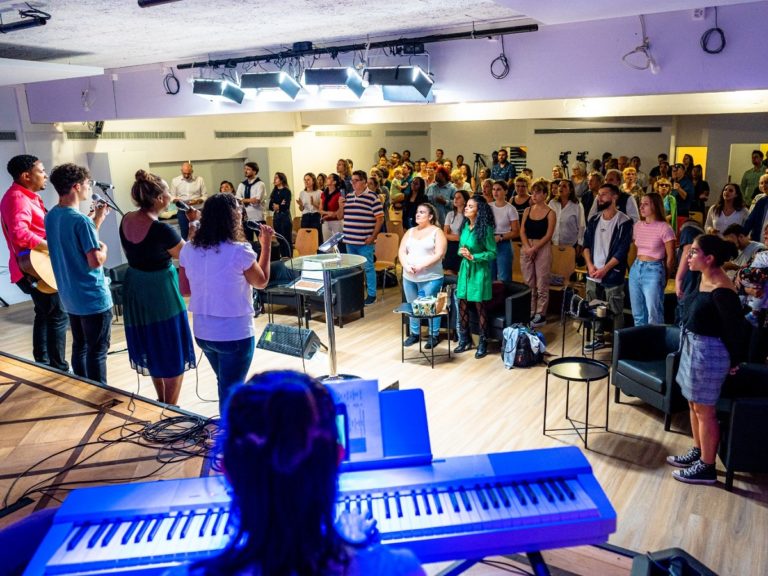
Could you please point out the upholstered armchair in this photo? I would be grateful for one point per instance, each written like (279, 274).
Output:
(645, 361)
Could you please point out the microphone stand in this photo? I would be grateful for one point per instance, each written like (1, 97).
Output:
(112, 204)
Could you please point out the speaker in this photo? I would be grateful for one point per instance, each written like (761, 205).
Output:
(290, 340)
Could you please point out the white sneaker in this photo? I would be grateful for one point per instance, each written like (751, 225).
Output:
(538, 320)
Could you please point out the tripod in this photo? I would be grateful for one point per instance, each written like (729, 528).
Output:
(479, 161)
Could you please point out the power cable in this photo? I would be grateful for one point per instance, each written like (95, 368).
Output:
(501, 60)
(717, 33)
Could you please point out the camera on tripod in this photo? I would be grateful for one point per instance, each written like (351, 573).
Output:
(564, 157)
(582, 156)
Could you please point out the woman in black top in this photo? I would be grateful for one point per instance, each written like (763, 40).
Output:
(155, 317)
(280, 204)
(713, 344)
(415, 195)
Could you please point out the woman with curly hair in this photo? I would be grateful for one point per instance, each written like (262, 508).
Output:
(729, 210)
(156, 327)
(222, 267)
(477, 247)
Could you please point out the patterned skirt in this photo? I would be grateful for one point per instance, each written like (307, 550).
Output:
(704, 366)
(156, 326)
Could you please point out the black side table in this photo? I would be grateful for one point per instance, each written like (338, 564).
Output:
(575, 369)
(406, 311)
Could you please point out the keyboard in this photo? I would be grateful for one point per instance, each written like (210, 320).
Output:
(466, 507)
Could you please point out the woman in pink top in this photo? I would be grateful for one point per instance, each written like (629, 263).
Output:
(655, 241)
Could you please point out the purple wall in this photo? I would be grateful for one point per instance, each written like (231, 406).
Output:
(566, 61)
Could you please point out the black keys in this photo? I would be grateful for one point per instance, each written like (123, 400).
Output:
(397, 504)
(567, 489)
(142, 529)
(415, 503)
(481, 495)
(465, 499)
(436, 500)
(387, 513)
(425, 499)
(531, 494)
(78, 535)
(556, 490)
(110, 534)
(174, 526)
(204, 525)
(155, 528)
(547, 492)
(454, 501)
(130, 531)
(519, 494)
(501, 492)
(187, 523)
(98, 534)
(492, 495)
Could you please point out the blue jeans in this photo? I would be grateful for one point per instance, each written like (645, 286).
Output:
(230, 361)
(414, 290)
(646, 292)
(91, 335)
(501, 267)
(370, 273)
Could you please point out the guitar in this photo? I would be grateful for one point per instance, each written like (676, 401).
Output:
(37, 264)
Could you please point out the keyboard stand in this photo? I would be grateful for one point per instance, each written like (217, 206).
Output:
(535, 559)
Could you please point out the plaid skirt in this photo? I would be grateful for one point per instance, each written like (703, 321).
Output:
(704, 365)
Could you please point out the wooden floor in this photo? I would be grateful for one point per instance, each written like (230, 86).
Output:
(476, 406)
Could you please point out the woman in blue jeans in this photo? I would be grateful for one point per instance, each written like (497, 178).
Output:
(222, 268)
(655, 241)
(421, 256)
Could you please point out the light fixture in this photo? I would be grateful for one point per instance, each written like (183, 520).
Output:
(270, 81)
(217, 90)
(30, 18)
(150, 3)
(335, 77)
(401, 83)
(641, 58)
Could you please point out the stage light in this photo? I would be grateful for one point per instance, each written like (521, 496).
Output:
(270, 81)
(217, 90)
(150, 3)
(335, 77)
(30, 18)
(401, 83)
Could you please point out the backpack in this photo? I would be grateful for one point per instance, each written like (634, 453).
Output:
(523, 347)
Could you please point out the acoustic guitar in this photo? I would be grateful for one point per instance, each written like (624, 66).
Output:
(37, 264)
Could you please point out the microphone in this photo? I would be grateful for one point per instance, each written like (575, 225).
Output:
(102, 185)
(183, 206)
(253, 226)
(98, 199)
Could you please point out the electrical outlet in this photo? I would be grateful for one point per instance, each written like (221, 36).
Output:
(699, 13)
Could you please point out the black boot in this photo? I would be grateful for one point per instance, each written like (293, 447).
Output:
(465, 342)
(482, 348)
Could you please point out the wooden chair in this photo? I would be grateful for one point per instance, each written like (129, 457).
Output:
(387, 246)
(697, 216)
(396, 227)
(517, 274)
(306, 241)
(563, 266)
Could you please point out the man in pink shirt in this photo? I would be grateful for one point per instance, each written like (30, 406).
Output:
(23, 221)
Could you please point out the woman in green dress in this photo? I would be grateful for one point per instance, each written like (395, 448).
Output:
(477, 248)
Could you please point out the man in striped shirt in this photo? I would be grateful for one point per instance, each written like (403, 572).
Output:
(363, 218)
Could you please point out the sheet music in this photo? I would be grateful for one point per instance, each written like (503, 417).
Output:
(361, 398)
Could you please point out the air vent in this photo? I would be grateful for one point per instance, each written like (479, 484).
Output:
(82, 135)
(626, 130)
(7, 136)
(409, 133)
(344, 134)
(253, 134)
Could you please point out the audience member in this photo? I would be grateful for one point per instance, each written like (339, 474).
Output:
(751, 178)
(579, 179)
(421, 254)
(416, 196)
(623, 203)
(280, 204)
(642, 177)
(570, 221)
(454, 221)
(226, 187)
(664, 188)
(737, 235)
(308, 204)
(728, 210)
(503, 170)
(520, 198)
(440, 193)
(506, 229)
(700, 189)
(536, 231)
(655, 241)
(330, 210)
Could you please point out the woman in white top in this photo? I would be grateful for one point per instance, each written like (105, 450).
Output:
(421, 256)
(454, 220)
(729, 210)
(221, 268)
(309, 205)
(506, 229)
(569, 230)
(457, 177)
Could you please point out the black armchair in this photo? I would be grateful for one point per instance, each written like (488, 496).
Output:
(116, 278)
(742, 412)
(645, 361)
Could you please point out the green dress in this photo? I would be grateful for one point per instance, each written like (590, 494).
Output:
(474, 282)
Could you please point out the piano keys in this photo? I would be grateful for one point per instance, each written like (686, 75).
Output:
(456, 508)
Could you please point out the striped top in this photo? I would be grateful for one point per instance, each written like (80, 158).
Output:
(360, 214)
(650, 238)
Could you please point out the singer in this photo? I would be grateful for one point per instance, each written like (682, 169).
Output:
(191, 190)
(156, 326)
(222, 267)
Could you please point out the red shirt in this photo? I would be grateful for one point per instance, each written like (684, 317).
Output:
(23, 215)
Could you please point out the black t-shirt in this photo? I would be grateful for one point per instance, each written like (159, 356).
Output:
(152, 252)
(718, 313)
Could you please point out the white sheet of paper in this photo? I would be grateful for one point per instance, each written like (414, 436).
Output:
(361, 398)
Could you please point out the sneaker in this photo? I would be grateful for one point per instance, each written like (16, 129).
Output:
(538, 320)
(431, 342)
(686, 459)
(370, 300)
(594, 345)
(411, 340)
(698, 473)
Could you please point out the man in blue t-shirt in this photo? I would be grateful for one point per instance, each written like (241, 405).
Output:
(78, 257)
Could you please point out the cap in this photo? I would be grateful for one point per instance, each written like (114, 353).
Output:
(678, 166)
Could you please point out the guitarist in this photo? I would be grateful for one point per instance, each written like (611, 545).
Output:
(23, 214)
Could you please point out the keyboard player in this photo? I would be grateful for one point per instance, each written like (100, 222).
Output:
(281, 455)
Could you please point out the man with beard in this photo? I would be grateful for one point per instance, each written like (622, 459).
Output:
(623, 203)
(606, 247)
(440, 193)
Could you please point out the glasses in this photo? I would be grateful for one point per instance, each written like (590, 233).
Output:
(665, 185)
(356, 180)
(694, 251)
